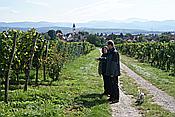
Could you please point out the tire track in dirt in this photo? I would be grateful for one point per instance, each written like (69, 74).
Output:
(160, 97)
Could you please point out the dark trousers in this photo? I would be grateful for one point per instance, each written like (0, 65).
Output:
(106, 81)
(114, 89)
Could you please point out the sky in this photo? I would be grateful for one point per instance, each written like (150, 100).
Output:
(85, 10)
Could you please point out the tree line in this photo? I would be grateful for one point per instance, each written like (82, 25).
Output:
(99, 39)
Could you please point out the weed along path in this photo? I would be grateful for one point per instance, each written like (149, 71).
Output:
(161, 98)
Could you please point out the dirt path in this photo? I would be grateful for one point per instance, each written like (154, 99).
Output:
(161, 98)
(124, 107)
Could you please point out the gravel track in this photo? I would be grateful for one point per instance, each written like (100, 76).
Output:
(160, 97)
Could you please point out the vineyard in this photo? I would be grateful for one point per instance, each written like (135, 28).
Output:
(44, 76)
(160, 55)
(23, 52)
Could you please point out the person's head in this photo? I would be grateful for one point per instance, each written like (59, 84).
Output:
(104, 49)
(110, 44)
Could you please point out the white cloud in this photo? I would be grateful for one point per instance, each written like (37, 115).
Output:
(4, 8)
(101, 10)
(14, 11)
(87, 7)
(37, 2)
(8, 10)
(83, 11)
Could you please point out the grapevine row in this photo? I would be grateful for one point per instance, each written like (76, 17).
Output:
(160, 55)
(21, 52)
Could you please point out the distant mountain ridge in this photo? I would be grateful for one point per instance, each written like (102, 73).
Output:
(90, 30)
(34, 24)
(167, 25)
(130, 24)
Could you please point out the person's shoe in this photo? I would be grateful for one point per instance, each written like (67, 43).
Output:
(114, 101)
(110, 99)
(107, 94)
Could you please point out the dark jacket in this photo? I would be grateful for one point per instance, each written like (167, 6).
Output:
(113, 63)
(102, 64)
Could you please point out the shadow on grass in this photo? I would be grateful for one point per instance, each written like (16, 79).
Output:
(89, 100)
(14, 85)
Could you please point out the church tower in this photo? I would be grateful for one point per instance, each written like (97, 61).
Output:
(74, 32)
(73, 27)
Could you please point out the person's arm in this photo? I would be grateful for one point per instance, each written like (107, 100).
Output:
(101, 58)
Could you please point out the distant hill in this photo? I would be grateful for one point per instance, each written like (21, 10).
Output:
(39, 29)
(34, 24)
(90, 30)
(168, 25)
(129, 25)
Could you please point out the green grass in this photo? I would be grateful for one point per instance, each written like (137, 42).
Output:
(148, 108)
(157, 77)
(77, 93)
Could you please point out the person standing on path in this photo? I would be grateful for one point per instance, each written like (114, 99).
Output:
(102, 70)
(113, 71)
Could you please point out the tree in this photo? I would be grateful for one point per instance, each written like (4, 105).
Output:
(121, 35)
(52, 34)
(59, 31)
(118, 40)
(96, 40)
(128, 35)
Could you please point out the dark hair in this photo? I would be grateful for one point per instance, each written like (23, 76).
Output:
(102, 49)
(110, 42)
